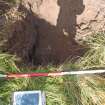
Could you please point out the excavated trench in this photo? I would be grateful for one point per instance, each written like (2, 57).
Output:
(38, 42)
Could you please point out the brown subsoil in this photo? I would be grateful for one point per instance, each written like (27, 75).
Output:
(38, 42)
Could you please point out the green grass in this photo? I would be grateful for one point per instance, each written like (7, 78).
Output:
(59, 90)
(67, 90)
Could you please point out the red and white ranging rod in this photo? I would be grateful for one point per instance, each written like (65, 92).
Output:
(30, 75)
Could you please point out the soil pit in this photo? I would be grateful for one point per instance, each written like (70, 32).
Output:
(38, 42)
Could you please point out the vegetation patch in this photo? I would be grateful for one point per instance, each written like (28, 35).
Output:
(67, 90)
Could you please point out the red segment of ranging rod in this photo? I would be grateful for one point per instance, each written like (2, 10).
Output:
(27, 75)
(35, 75)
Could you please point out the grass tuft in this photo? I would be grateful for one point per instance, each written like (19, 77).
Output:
(92, 86)
(95, 56)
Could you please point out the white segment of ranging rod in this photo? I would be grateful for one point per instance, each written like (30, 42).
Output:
(83, 72)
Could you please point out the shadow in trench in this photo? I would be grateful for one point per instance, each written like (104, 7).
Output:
(57, 43)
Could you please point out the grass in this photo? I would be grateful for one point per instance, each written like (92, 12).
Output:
(95, 56)
(58, 90)
(68, 90)
(93, 86)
